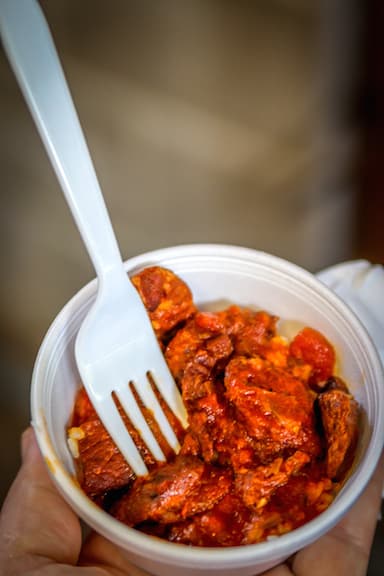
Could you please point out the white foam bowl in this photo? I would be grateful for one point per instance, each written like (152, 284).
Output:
(216, 274)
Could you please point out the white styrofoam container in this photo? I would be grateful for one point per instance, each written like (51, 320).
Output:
(217, 275)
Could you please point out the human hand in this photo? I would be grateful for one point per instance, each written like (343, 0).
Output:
(41, 535)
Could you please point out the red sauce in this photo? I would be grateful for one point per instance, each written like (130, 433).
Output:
(271, 437)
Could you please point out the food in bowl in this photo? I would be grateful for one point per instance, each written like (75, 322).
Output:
(272, 427)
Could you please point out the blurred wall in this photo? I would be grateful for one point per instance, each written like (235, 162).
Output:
(371, 178)
(208, 121)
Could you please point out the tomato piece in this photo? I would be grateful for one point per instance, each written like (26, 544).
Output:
(311, 347)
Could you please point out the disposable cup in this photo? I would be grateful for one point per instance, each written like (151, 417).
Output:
(217, 275)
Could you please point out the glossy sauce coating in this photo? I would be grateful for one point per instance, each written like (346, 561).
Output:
(272, 431)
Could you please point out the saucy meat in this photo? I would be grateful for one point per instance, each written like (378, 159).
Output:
(272, 429)
(339, 414)
(175, 491)
(167, 299)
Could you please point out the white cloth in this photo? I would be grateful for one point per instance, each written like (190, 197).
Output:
(361, 285)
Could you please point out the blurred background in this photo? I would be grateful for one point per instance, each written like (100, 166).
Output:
(255, 123)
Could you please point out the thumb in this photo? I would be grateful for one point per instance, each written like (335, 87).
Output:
(36, 524)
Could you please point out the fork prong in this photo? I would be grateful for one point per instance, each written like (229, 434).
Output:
(129, 403)
(150, 401)
(109, 415)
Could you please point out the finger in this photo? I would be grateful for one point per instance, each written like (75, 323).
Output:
(345, 550)
(36, 524)
(281, 570)
(54, 569)
(101, 552)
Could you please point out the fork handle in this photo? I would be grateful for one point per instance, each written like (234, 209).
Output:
(33, 57)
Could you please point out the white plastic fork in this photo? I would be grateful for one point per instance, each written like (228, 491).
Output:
(116, 344)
